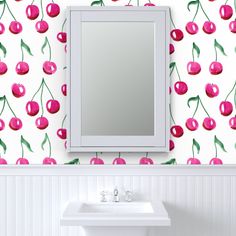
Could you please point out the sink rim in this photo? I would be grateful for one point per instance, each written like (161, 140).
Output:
(72, 217)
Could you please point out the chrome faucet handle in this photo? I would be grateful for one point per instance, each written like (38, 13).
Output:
(128, 196)
(116, 195)
(103, 196)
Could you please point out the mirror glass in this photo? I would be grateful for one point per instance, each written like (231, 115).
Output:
(117, 72)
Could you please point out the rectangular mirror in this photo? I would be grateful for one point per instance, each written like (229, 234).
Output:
(117, 76)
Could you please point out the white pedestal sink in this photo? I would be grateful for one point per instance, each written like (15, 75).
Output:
(115, 219)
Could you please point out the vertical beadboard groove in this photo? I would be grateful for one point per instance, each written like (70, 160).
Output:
(198, 205)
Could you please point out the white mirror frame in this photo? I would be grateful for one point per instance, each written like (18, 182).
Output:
(159, 142)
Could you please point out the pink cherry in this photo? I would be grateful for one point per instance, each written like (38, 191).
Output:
(22, 68)
(226, 12)
(191, 27)
(193, 161)
(232, 122)
(18, 90)
(146, 161)
(119, 161)
(226, 108)
(209, 123)
(15, 123)
(212, 90)
(3, 161)
(2, 28)
(2, 124)
(53, 9)
(181, 87)
(193, 68)
(96, 161)
(191, 124)
(215, 68)
(3, 68)
(176, 34)
(149, 4)
(177, 131)
(32, 108)
(32, 12)
(49, 67)
(64, 89)
(232, 26)
(171, 48)
(49, 161)
(41, 26)
(22, 161)
(53, 106)
(216, 161)
(62, 133)
(171, 145)
(209, 27)
(15, 27)
(62, 37)
(41, 122)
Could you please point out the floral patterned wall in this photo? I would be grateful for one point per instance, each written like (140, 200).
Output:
(33, 90)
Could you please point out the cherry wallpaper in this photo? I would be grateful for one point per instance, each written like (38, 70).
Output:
(33, 90)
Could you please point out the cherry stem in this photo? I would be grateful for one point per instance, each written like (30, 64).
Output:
(42, 83)
(41, 99)
(226, 2)
(49, 144)
(149, 1)
(9, 10)
(196, 12)
(193, 150)
(102, 3)
(196, 107)
(171, 116)
(146, 154)
(32, 2)
(235, 5)
(129, 2)
(4, 103)
(22, 52)
(63, 25)
(63, 121)
(235, 98)
(10, 107)
(22, 147)
(204, 11)
(96, 155)
(137, 2)
(203, 107)
(231, 91)
(171, 20)
(48, 90)
(215, 149)
(49, 48)
(215, 53)
(119, 154)
(41, 5)
(193, 53)
(176, 68)
(3, 10)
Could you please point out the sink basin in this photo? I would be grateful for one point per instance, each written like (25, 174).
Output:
(112, 214)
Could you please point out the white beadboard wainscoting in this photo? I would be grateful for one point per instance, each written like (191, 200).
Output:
(201, 201)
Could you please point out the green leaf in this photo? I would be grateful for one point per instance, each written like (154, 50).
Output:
(2, 98)
(170, 162)
(4, 50)
(73, 162)
(217, 45)
(99, 2)
(26, 47)
(218, 142)
(4, 146)
(196, 145)
(44, 44)
(2, 2)
(197, 49)
(172, 65)
(26, 143)
(192, 99)
(192, 3)
(44, 141)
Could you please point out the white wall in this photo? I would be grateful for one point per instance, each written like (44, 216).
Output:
(201, 201)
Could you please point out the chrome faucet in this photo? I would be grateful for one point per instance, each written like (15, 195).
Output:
(116, 195)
